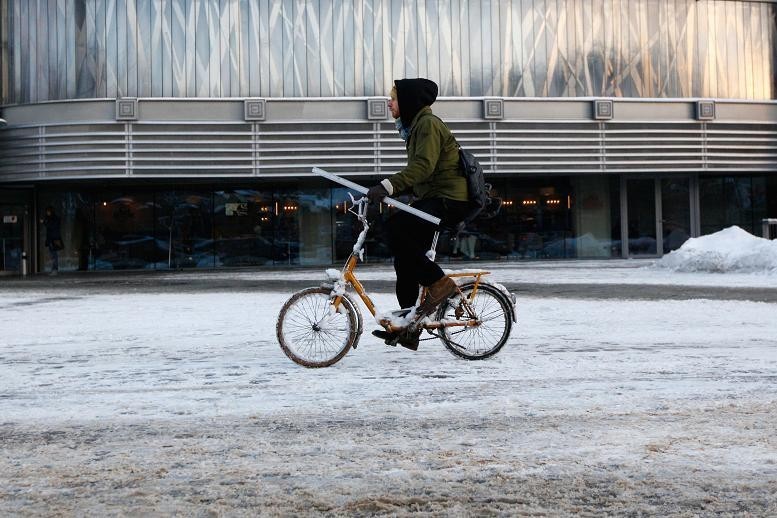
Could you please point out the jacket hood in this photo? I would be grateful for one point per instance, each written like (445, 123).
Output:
(414, 94)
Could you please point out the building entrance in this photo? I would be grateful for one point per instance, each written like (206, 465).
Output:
(657, 216)
(13, 219)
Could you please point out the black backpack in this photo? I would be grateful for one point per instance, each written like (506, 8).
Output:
(476, 183)
(481, 204)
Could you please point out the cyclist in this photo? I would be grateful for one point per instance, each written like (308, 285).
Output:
(433, 176)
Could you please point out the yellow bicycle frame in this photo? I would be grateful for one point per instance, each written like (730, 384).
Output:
(350, 277)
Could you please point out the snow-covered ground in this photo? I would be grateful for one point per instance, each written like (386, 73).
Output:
(164, 403)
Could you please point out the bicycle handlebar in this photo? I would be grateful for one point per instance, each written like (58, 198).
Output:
(390, 201)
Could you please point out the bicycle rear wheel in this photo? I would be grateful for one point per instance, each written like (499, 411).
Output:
(492, 309)
(311, 333)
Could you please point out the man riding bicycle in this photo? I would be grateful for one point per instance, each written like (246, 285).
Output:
(433, 176)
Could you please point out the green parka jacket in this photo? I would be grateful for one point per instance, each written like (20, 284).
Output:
(432, 169)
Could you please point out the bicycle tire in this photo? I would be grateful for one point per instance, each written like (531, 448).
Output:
(477, 343)
(313, 336)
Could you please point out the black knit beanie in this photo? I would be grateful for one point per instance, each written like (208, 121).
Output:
(414, 94)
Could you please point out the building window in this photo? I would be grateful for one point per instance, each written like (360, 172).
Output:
(733, 200)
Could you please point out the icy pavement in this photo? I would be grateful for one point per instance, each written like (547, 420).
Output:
(165, 403)
(614, 271)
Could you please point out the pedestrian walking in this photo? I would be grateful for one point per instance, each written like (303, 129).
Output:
(53, 237)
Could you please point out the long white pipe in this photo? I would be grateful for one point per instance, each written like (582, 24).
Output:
(390, 201)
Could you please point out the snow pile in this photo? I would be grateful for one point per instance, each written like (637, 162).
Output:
(730, 250)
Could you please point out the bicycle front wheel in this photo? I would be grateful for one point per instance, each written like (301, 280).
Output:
(311, 333)
(493, 311)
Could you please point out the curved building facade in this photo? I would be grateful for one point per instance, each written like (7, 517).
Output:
(175, 133)
(77, 49)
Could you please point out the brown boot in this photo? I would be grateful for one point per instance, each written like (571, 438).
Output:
(436, 293)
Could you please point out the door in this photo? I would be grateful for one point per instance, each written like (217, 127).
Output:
(675, 213)
(12, 220)
(641, 217)
(657, 216)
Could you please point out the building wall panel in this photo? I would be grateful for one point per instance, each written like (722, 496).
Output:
(64, 49)
(210, 138)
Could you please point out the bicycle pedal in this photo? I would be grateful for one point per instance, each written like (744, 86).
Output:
(388, 338)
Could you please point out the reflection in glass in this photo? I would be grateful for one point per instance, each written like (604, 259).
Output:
(303, 229)
(732, 200)
(287, 228)
(184, 227)
(534, 222)
(641, 208)
(675, 213)
(76, 213)
(595, 216)
(124, 232)
(243, 221)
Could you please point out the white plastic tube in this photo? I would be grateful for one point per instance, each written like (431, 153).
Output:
(390, 201)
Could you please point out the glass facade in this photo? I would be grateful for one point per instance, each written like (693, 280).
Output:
(737, 200)
(197, 227)
(75, 49)
(562, 217)
(164, 228)
(244, 219)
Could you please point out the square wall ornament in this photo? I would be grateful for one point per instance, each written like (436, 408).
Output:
(255, 109)
(603, 109)
(493, 109)
(377, 109)
(126, 109)
(705, 110)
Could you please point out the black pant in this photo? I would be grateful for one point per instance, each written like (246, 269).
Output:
(409, 238)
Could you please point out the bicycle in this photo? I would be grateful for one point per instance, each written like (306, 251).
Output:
(319, 325)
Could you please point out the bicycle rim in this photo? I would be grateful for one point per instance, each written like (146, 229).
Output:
(311, 334)
(493, 310)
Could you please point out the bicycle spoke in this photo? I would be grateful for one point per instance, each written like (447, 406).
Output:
(493, 323)
(310, 333)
